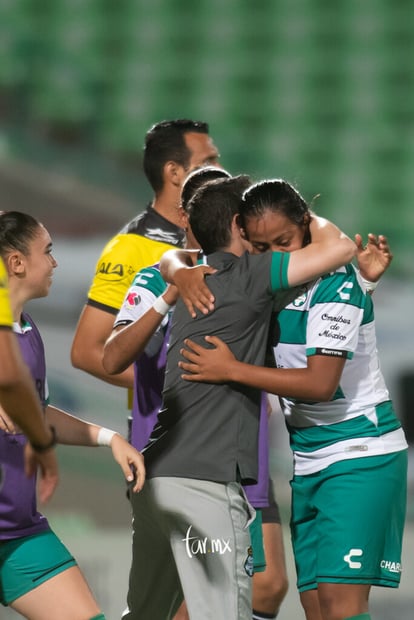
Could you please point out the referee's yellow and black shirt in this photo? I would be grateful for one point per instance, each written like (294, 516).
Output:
(140, 243)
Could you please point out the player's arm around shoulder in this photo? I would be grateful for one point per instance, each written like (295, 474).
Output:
(329, 249)
(180, 267)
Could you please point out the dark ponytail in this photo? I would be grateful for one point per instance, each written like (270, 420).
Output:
(17, 230)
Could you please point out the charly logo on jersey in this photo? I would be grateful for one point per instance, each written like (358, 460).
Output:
(195, 545)
(300, 300)
(344, 291)
(143, 278)
(350, 558)
(391, 567)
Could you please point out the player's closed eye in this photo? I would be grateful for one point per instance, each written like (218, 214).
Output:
(260, 248)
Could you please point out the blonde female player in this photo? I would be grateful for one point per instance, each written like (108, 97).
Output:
(39, 578)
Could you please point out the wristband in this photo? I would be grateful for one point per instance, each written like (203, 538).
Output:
(161, 306)
(104, 437)
(39, 448)
(370, 286)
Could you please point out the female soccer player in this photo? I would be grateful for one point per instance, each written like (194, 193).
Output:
(17, 393)
(38, 576)
(350, 453)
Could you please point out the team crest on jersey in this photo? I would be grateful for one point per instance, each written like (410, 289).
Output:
(299, 301)
(133, 299)
(249, 563)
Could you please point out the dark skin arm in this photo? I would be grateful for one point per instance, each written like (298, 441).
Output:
(218, 365)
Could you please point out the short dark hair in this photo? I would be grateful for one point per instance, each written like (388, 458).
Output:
(16, 231)
(165, 142)
(197, 178)
(212, 209)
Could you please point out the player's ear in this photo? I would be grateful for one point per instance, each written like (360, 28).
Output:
(15, 262)
(235, 226)
(307, 218)
(183, 218)
(174, 173)
(241, 229)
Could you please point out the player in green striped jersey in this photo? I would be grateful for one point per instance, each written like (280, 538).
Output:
(349, 448)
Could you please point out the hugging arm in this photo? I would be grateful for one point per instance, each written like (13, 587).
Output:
(329, 249)
(179, 267)
(127, 342)
(218, 365)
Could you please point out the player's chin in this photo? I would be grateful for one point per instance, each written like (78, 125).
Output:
(42, 291)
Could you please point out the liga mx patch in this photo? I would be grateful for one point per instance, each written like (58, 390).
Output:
(249, 563)
(133, 299)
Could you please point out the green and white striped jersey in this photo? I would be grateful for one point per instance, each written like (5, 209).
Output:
(333, 316)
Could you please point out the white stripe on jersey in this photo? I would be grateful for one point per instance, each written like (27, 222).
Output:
(306, 463)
